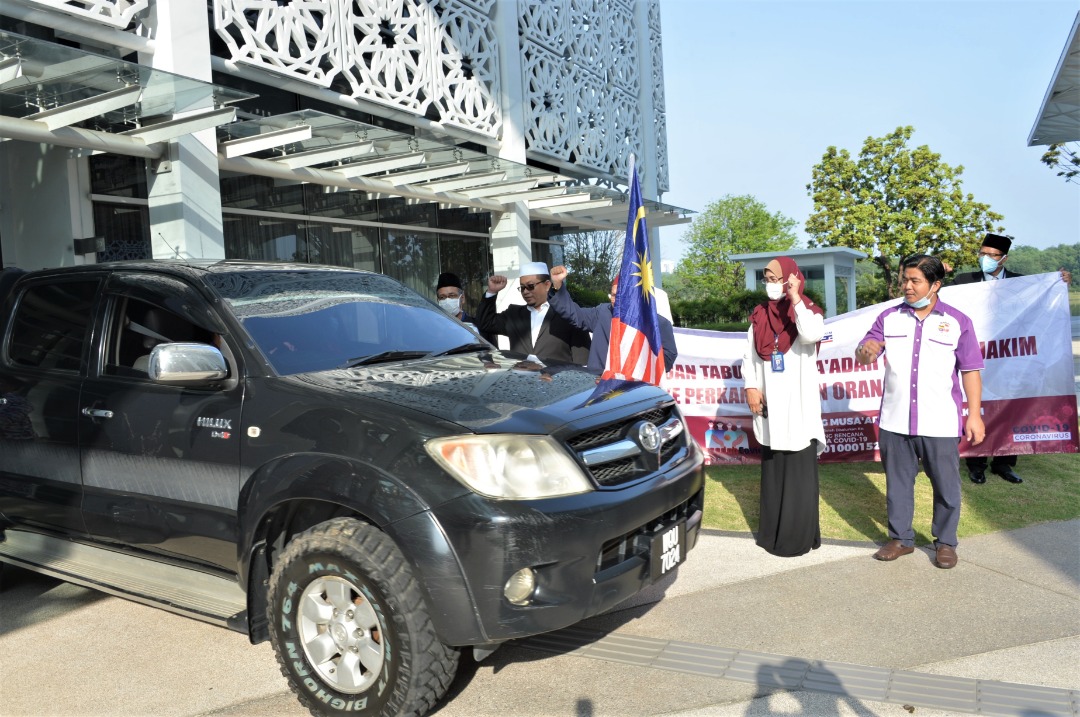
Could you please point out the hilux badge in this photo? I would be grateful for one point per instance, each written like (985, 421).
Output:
(649, 436)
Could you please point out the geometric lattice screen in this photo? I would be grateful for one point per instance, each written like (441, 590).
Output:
(581, 64)
(583, 85)
(434, 59)
(439, 59)
(114, 13)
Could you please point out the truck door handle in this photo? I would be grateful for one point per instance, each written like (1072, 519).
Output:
(97, 413)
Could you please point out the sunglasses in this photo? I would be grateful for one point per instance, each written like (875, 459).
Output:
(530, 287)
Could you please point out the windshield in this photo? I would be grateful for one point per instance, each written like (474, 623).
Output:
(318, 320)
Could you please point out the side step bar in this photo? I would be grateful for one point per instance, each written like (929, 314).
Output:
(186, 592)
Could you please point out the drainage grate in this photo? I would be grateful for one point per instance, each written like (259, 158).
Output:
(878, 684)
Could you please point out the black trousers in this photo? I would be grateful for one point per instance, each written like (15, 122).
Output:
(789, 501)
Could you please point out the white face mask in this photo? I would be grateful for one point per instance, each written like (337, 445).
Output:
(774, 291)
(451, 306)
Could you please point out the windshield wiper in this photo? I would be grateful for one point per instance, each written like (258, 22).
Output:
(463, 349)
(384, 357)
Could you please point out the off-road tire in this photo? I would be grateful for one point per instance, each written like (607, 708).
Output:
(326, 571)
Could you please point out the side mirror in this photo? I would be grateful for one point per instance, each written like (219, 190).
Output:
(187, 364)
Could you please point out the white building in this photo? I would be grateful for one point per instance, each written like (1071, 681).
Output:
(408, 137)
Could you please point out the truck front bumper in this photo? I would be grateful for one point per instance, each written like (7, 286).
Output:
(588, 552)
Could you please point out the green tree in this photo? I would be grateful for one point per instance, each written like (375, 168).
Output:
(593, 258)
(1029, 260)
(729, 225)
(1065, 159)
(894, 201)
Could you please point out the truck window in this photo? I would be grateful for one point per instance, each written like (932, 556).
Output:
(51, 325)
(136, 327)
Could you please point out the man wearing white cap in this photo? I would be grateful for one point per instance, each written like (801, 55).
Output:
(533, 329)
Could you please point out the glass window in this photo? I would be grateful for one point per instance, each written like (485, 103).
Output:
(550, 253)
(470, 259)
(412, 258)
(126, 230)
(118, 175)
(52, 325)
(150, 309)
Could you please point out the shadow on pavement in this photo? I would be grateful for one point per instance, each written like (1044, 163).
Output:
(30, 598)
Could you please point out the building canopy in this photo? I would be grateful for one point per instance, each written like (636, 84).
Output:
(1058, 120)
(53, 94)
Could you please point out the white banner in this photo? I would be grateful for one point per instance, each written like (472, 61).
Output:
(1029, 399)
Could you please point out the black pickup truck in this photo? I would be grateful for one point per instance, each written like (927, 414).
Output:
(321, 457)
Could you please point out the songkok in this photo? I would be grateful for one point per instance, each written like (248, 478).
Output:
(448, 279)
(534, 268)
(998, 241)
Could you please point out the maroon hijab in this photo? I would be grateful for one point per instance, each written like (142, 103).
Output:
(774, 321)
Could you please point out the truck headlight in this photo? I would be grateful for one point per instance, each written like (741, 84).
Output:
(507, 466)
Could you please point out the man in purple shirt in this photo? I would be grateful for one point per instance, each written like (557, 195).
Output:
(932, 350)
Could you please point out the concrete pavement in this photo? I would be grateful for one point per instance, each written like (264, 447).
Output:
(716, 640)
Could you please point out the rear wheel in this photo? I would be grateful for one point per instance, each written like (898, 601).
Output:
(349, 626)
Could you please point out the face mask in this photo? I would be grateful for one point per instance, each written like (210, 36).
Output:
(988, 265)
(451, 306)
(774, 291)
(920, 303)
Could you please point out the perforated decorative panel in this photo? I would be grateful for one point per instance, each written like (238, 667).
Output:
(434, 58)
(580, 64)
(114, 13)
(582, 81)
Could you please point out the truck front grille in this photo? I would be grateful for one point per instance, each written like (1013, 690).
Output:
(614, 454)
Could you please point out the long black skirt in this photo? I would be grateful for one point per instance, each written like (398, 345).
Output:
(789, 501)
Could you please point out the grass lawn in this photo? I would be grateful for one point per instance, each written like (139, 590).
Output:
(853, 499)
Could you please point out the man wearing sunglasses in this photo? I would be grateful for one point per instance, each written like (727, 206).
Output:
(533, 330)
(993, 254)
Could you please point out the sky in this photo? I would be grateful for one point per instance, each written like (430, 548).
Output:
(757, 90)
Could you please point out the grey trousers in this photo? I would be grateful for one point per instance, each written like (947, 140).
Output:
(901, 454)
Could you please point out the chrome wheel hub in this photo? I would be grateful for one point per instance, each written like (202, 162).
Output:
(341, 634)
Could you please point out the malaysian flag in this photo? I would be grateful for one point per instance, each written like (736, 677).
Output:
(635, 352)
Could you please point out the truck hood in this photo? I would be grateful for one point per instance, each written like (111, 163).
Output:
(488, 393)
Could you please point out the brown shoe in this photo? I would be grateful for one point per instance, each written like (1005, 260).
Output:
(946, 557)
(893, 550)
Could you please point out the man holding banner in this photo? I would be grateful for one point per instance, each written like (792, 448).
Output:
(921, 419)
(993, 254)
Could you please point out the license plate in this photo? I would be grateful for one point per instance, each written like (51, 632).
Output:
(668, 549)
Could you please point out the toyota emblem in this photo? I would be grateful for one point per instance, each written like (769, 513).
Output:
(649, 437)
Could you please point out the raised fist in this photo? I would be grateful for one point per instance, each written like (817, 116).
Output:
(496, 283)
(558, 276)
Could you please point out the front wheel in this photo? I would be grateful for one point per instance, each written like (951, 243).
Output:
(349, 626)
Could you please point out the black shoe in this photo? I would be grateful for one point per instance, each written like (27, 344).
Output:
(1009, 475)
(977, 477)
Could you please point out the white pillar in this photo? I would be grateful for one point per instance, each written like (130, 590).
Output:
(848, 273)
(184, 190)
(511, 245)
(830, 287)
(45, 205)
(511, 239)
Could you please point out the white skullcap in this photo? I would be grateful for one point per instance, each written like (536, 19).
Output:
(534, 268)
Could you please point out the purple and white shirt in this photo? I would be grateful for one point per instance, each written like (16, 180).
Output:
(923, 359)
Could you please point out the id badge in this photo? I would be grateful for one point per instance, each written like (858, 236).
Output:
(777, 362)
